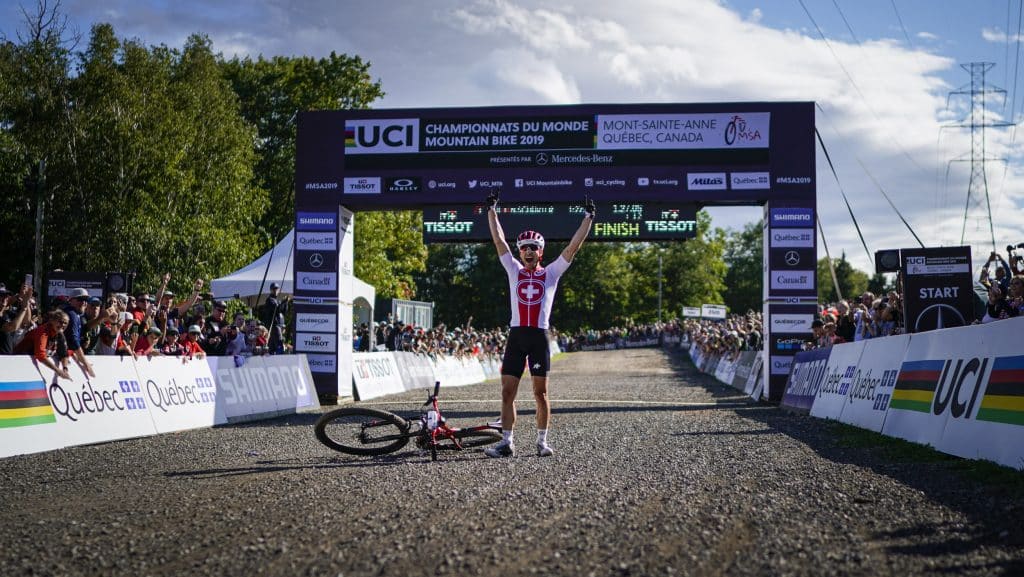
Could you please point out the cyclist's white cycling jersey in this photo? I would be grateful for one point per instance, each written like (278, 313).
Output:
(532, 292)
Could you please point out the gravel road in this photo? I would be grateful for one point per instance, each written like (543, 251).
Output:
(659, 470)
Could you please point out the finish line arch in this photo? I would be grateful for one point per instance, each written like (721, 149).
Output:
(638, 155)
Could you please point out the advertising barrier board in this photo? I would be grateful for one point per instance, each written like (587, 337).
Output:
(262, 386)
(833, 392)
(375, 375)
(972, 383)
(180, 395)
(805, 378)
(873, 381)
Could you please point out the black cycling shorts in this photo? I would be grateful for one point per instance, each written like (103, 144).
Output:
(526, 344)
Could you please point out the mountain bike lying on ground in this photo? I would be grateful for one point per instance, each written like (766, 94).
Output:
(366, 431)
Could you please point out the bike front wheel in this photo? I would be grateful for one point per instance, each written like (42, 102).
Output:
(362, 431)
(472, 438)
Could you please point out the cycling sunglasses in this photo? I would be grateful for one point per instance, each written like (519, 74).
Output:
(532, 247)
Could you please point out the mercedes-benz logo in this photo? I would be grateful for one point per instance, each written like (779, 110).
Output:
(938, 316)
(542, 158)
(792, 258)
(316, 260)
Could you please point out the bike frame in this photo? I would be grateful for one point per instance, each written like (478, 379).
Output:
(442, 430)
(428, 438)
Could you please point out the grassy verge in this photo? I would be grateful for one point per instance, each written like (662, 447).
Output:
(987, 473)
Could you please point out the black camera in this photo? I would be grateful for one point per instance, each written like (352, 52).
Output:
(1011, 250)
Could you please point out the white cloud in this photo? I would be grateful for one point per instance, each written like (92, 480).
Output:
(523, 52)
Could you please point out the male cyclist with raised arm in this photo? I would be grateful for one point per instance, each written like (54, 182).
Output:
(531, 293)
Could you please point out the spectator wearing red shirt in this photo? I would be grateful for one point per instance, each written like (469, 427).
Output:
(40, 342)
(147, 345)
(191, 342)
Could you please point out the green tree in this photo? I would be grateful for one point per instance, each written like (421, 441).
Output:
(271, 92)
(35, 87)
(744, 257)
(389, 250)
(148, 164)
(595, 292)
(852, 282)
(464, 280)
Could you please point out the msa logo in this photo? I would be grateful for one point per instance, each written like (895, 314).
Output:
(382, 136)
(706, 181)
(362, 185)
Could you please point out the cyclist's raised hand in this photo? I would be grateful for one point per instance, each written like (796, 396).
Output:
(492, 200)
(589, 207)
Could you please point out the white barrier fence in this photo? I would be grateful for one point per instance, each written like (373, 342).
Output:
(383, 373)
(741, 371)
(959, 390)
(135, 398)
(378, 374)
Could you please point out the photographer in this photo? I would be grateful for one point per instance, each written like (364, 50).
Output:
(1002, 274)
(1016, 255)
(998, 306)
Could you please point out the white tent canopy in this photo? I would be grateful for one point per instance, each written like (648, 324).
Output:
(248, 281)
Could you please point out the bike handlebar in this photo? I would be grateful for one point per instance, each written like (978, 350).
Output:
(437, 389)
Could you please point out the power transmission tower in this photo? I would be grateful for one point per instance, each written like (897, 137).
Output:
(978, 209)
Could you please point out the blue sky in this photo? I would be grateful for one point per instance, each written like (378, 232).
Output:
(882, 85)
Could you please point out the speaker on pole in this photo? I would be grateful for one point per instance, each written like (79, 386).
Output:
(118, 282)
(887, 260)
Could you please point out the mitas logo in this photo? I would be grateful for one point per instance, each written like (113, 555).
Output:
(382, 136)
(706, 181)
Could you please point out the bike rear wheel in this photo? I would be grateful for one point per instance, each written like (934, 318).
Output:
(362, 431)
(472, 438)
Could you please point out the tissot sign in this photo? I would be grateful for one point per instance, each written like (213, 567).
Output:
(645, 165)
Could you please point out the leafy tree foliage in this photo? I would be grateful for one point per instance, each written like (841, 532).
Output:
(852, 282)
(271, 92)
(388, 251)
(609, 284)
(146, 162)
(388, 245)
(744, 257)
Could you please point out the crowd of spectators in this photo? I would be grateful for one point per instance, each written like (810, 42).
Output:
(77, 326)
(728, 337)
(460, 342)
(1005, 286)
(631, 334)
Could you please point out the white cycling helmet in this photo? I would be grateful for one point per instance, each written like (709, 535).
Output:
(530, 237)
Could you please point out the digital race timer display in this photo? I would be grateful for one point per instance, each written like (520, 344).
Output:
(636, 221)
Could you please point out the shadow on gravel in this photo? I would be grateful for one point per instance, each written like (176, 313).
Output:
(403, 457)
(995, 512)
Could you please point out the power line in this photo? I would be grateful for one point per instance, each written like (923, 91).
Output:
(845, 200)
(845, 21)
(849, 77)
(1016, 61)
(902, 27)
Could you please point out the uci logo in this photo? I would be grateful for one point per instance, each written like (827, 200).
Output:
(382, 136)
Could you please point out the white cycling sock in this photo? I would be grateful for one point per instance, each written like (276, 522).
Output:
(506, 436)
(542, 436)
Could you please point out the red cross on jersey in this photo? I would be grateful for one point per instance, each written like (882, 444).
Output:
(531, 293)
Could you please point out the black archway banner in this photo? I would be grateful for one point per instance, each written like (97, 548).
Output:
(649, 159)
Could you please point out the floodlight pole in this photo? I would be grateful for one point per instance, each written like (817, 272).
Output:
(659, 286)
